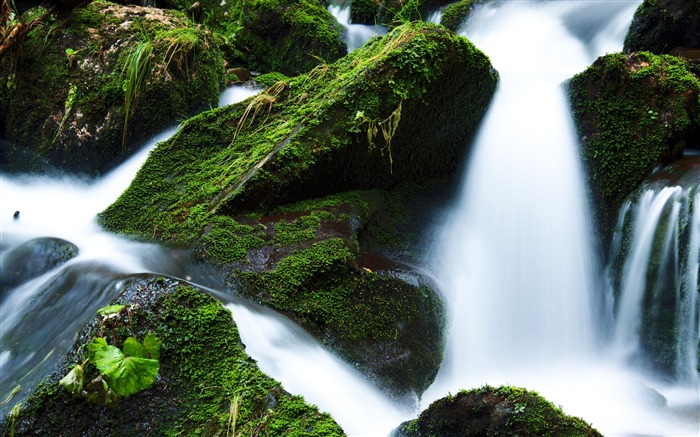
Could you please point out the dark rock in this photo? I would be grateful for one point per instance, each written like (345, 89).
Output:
(31, 259)
(490, 411)
(659, 26)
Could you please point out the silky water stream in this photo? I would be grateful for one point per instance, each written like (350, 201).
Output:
(528, 304)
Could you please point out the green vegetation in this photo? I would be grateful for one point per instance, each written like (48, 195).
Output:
(206, 384)
(455, 14)
(87, 87)
(633, 113)
(122, 372)
(496, 411)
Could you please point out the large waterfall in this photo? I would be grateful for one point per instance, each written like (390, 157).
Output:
(528, 304)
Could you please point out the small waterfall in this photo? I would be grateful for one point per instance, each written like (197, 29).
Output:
(654, 276)
(356, 35)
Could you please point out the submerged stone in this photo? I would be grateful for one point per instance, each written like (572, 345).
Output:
(31, 259)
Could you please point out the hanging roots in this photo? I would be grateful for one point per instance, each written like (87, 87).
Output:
(387, 127)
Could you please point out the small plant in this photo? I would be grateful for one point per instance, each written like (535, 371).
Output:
(71, 55)
(67, 108)
(122, 372)
(134, 75)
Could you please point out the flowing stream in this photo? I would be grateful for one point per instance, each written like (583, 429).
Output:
(528, 303)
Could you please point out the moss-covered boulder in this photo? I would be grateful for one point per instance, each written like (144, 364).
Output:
(397, 12)
(391, 113)
(633, 113)
(364, 11)
(206, 384)
(80, 91)
(659, 26)
(495, 411)
(290, 37)
(455, 14)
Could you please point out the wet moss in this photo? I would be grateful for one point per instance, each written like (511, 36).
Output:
(633, 113)
(203, 370)
(495, 411)
(456, 13)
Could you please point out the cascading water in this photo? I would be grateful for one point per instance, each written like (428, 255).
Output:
(355, 34)
(514, 257)
(655, 277)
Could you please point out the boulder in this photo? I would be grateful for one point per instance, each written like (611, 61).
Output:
(247, 187)
(455, 14)
(206, 383)
(659, 26)
(633, 113)
(81, 93)
(495, 411)
(31, 259)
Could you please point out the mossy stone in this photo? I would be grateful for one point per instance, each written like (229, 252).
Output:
(659, 26)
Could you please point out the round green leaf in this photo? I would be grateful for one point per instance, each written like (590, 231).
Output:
(73, 382)
(110, 309)
(126, 375)
(96, 344)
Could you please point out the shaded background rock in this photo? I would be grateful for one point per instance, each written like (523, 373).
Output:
(68, 101)
(662, 25)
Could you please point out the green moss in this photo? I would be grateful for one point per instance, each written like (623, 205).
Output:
(288, 37)
(633, 113)
(269, 79)
(455, 14)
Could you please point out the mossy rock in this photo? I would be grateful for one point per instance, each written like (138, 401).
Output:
(455, 14)
(364, 11)
(317, 134)
(633, 113)
(221, 183)
(397, 12)
(326, 264)
(203, 368)
(495, 411)
(288, 37)
(659, 26)
(66, 90)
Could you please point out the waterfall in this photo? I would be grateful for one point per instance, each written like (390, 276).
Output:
(514, 256)
(655, 280)
(356, 35)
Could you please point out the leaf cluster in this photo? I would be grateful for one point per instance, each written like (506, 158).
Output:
(122, 372)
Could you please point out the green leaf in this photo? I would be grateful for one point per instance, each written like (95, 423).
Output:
(126, 375)
(152, 344)
(73, 382)
(133, 348)
(95, 345)
(110, 309)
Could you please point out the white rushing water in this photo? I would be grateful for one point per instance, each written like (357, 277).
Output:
(356, 35)
(527, 306)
